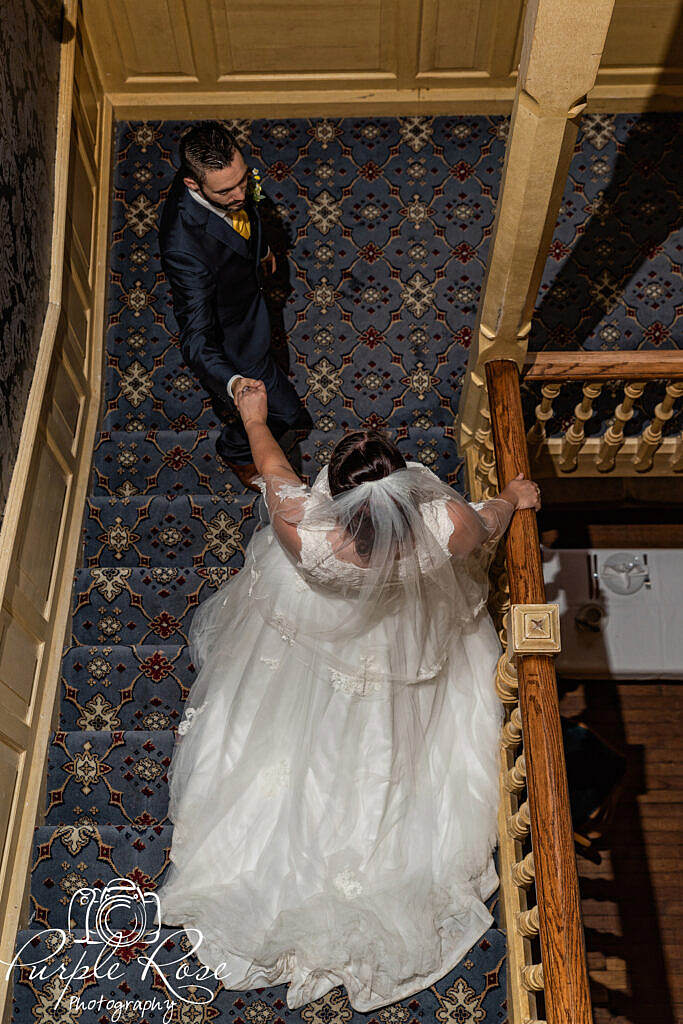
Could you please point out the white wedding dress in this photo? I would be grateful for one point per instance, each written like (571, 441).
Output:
(330, 828)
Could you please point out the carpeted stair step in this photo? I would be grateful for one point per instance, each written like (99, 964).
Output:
(114, 778)
(120, 995)
(115, 688)
(169, 461)
(133, 605)
(160, 462)
(86, 854)
(122, 990)
(182, 530)
(151, 388)
(70, 857)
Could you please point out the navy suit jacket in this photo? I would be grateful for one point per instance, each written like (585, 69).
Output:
(215, 279)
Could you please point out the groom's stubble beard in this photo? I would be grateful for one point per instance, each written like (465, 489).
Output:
(232, 207)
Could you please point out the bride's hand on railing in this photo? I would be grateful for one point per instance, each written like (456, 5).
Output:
(251, 400)
(523, 493)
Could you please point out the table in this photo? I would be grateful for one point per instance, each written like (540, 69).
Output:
(639, 636)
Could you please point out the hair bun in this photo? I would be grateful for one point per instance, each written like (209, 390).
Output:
(360, 457)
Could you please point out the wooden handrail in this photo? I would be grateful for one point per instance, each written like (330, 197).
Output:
(556, 367)
(563, 950)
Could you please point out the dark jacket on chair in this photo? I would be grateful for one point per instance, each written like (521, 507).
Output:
(215, 279)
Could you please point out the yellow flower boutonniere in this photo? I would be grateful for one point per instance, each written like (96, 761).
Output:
(256, 190)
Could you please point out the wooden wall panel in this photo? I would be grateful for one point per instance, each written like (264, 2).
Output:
(76, 309)
(153, 40)
(69, 399)
(49, 486)
(351, 38)
(180, 58)
(462, 40)
(86, 94)
(81, 213)
(642, 34)
(10, 762)
(20, 651)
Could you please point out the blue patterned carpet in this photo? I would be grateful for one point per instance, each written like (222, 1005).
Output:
(385, 226)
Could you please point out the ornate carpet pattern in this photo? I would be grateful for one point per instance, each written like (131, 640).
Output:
(385, 226)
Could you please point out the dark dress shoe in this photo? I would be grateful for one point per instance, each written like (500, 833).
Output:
(246, 473)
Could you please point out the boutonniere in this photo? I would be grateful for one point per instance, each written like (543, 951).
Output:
(256, 190)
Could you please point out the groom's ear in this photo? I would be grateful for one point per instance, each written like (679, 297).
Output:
(191, 183)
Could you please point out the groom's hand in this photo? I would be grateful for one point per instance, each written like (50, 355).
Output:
(251, 400)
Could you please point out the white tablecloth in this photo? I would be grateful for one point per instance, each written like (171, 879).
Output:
(642, 633)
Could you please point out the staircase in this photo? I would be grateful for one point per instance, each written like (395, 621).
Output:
(166, 524)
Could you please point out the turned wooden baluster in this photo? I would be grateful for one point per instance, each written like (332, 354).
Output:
(527, 922)
(499, 598)
(519, 824)
(576, 435)
(486, 469)
(516, 776)
(532, 976)
(652, 435)
(524, 872)
(544, 412)
(614, 435)
(512, 730)
(506, 680)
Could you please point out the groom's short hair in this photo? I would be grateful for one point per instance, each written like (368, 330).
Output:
(206, 146)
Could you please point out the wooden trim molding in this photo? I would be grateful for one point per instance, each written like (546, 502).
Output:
(40, 534)
(558, 367)
(325, 102)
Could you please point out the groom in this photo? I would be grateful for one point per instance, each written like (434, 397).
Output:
(214, 254)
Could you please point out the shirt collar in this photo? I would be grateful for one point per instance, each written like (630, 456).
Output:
(199, 198)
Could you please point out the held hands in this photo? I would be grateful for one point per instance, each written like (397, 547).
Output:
(522, 493)
(251, 400)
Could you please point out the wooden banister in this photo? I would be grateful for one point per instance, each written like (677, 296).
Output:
(563, 951)
(559, 367)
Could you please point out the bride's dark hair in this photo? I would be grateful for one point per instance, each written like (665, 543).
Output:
(362, 455)
(359, 456)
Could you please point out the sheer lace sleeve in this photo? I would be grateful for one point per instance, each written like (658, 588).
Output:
(496, 513)
(476, 525)
(286, 501)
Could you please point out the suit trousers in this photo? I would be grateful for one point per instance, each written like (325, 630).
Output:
(285, 411)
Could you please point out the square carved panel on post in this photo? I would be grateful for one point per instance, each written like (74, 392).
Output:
(534, 629)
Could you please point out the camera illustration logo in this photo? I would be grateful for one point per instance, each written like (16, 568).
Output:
(118, 915)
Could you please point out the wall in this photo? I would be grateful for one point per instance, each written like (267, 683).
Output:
(173, 58)
(29, 74)
(39, 539)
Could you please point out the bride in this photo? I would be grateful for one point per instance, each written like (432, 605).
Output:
(334, 785)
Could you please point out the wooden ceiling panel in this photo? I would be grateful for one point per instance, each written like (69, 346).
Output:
(263, 37)
(268, 58)
(644, 34)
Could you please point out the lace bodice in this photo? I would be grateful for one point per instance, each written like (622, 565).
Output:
(317, 558)
(374, 582)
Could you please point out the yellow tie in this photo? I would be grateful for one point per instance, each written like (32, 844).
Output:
(240, 222)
